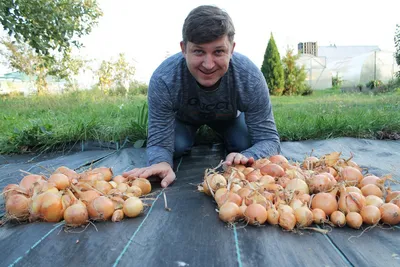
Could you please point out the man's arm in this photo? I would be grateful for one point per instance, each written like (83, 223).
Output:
(161, 128)
(261, 123)
(161, 137)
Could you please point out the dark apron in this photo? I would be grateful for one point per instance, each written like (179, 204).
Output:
(200, 107)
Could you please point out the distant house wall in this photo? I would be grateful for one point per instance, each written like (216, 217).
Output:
(19, 82)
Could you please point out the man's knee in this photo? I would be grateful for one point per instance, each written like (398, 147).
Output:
(238, 144)
(182, 147)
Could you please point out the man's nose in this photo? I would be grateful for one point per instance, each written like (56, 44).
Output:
(208, 62)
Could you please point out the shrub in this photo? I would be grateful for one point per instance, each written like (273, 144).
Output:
(295, 76)
(337, 81)
(374, 84)
(394, 84)
(138, 88)
(306, 90)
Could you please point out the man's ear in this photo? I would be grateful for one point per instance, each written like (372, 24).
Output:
(233, 47)
(183, 48)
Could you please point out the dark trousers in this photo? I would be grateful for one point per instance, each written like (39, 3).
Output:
(234, 133)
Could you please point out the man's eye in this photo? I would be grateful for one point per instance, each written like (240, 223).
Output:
(219, 52)
(198, 52)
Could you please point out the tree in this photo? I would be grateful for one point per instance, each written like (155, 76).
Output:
(272, 68)
(397, 44)
(294, 76)
(49, 26)
(116, 75)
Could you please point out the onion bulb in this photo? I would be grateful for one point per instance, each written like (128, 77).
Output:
(61, 181)
(370, 214)
(103, 186)
(17, 207)
(117, 216)
(143, 184)
(13, 189)
(266, 179)
(304, 216)
(273, 170)
(390, 213)
(319, 183)
(326, 202)
(253, 176)
(310, 162)
(338, 218)
(51, 208)
(228, 197)
(71, 174)
(76, 215)
(255, 214)
(272, 216)
(351, 175)
(370, 179)
(135, 190)
(287, 220)
(28, 181)
(133, 206)
(260, 163)
(372, 200)
(354, 220)
(229, 212)
(371, 189)
(297, 185)
(120, 179)
(319, 216)
(101, 208)
(351, 201)
(353, 189)
(393, 197)
(107, 172)
(86, 196)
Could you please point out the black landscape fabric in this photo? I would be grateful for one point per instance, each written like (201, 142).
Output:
(191, 234)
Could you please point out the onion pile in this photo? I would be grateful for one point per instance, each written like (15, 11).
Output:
(328, 189)
(76, 198)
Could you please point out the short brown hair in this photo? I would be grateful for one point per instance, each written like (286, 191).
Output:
(205, 24)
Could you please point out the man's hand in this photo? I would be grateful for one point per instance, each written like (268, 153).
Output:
(237, 158)
(162, 170)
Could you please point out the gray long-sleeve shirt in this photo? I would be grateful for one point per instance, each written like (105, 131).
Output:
(165, 98)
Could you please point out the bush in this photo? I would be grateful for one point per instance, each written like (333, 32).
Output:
(138, 88)
(337, 82)
(394, 84)
(295, 76)
(306, 90)
(374, 84)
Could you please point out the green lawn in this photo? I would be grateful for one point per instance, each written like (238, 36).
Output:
(41, 122)
(330, 113)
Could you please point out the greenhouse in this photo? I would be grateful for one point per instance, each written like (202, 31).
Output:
(354, 65)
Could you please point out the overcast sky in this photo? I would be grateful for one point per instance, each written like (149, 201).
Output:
(147, 31)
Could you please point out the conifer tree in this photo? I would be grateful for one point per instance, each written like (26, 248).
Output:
(272, 68)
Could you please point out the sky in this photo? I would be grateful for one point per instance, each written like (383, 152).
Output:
(148, 31)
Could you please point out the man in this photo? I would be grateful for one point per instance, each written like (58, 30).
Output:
(207, 84)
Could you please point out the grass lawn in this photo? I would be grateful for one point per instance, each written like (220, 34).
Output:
(330, 113)
(40, 122)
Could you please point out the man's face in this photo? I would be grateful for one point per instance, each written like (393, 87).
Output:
(208, 62)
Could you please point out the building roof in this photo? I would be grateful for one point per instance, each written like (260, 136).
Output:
(16, 75)
(335, 53)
